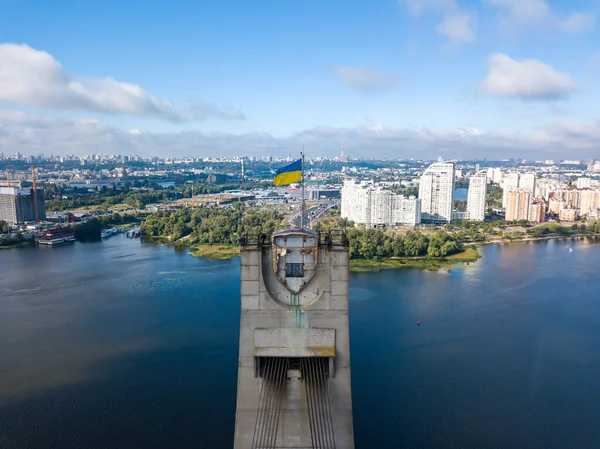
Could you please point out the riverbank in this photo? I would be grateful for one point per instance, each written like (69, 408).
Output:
(424, 263)
(215, 252)
(17, 245)
(578, 235)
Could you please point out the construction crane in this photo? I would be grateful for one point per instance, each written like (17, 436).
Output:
(35, 199)
(8, 179)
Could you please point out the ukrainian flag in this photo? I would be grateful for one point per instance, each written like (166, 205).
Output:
(289, 174)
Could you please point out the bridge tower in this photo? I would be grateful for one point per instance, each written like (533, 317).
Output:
(294, 357)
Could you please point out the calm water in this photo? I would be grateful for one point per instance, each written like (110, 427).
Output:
(119, 344)
(461, 194)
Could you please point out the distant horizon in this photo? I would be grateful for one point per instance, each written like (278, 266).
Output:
(281, 159)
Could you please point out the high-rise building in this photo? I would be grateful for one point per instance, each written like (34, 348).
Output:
(369, 205)
(555, 205)
(589, 200)
(513, 181)
(17, 205)
(436, 192)
(477, 196)
(584, 183)
(510, 182)
(405, 211)
(537, 211)
(494, 175)
(517, 205)
(527, 182)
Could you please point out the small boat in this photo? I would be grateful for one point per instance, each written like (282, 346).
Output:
(108, 233)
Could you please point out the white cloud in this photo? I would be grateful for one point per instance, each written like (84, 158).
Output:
(456, 25)
(365, 80)
(539, 13)
(578, 22)
(562, 139)
(34, 78)
(528, 79)
(200, 111)
(9, 117)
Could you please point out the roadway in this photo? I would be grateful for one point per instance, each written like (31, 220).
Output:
(312, 214)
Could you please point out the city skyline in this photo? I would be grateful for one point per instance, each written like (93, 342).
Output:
(397, 79)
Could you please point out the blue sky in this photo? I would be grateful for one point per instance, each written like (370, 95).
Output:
(394, 78)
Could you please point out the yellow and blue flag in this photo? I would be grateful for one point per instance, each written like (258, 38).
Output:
(289, 174)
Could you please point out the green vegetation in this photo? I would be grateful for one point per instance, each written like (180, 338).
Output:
(88, 231)
(134, 195)
(210, 226)
(10, 241)
(91, 230)
(427, 263)
(380, 244)
(216, 252)
(549, 228)
(494, 196)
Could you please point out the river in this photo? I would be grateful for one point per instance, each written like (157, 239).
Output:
(124, 344)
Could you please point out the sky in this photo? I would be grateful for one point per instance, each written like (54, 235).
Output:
(460, 79)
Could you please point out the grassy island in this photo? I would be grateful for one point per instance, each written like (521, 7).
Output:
(424, 263)
(215, 252)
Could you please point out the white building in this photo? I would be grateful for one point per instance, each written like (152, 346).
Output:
(514, 181)
(510, 182)
(367, 204)
(477, 196)
(406, 211)
(584, 183)
(494, 175)
(436, 192)
(527, 183)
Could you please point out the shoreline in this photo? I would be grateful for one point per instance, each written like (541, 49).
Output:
(467, 256)
(531, 239)
(22, 244)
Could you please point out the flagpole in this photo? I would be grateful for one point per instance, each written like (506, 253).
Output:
(302, 213)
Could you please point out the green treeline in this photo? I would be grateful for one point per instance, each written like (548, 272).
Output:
(211, 226)
(592, 227)
(224, 226)
(91, 230)
(381, 244)
(88, 231)
(4, 227)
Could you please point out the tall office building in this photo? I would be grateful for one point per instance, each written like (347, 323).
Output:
(371, 206)
(477, 196)
(436, 192)
(517, 205)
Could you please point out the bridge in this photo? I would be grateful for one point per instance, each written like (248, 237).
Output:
(294, 355)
